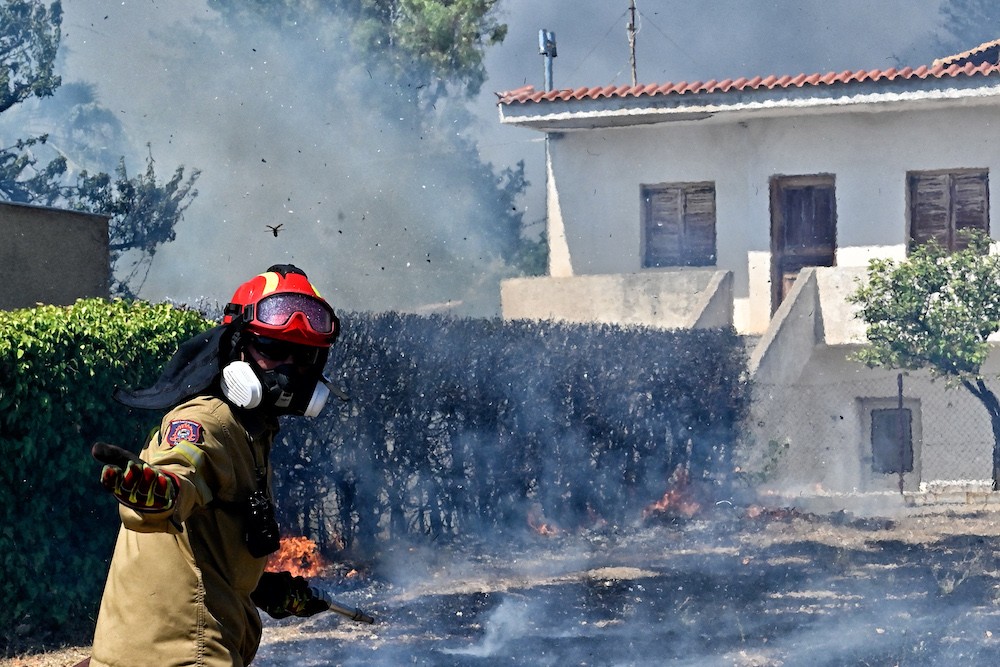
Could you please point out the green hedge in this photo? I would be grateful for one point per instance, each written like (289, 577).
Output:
(475, 427)
(58, 368)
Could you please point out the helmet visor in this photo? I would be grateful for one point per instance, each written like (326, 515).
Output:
(277, 309)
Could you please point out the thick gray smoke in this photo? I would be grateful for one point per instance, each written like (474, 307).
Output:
(289, 128)
(286, 132)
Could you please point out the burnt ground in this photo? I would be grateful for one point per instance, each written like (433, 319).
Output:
(764, 588)
(735, 588)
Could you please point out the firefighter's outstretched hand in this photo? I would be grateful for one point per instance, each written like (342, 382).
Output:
(281, 595)
(133, 482)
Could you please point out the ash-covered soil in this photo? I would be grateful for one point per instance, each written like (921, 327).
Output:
(758, 587)
(764, 588)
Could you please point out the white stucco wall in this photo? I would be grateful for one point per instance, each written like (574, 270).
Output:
(812, 398)
(664, 299)
(596, 177)
(821, 418)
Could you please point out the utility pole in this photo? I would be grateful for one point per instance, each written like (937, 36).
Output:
(631, 38)
(547, 47)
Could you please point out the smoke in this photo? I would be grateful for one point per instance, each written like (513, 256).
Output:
(506, 624)
(803, 592)
(289, 127)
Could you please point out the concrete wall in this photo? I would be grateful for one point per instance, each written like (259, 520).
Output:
(595, 180)
(682, 298)
(51, 256)
(811, 396)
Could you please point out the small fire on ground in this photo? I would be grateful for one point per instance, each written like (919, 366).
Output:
(298, 555)
(540, 525)
(676, 502)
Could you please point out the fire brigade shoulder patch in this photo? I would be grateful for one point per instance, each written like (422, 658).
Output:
(183, 430)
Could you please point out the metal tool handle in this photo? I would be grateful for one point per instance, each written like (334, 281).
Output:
(354, 613)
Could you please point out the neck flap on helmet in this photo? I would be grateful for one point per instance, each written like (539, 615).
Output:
(193, 369)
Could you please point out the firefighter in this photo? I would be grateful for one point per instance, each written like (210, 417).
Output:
(187, 575)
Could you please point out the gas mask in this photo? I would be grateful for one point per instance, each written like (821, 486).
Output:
(286, 389)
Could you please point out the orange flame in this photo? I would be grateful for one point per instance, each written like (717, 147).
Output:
(298, 555)
(673, 503)
(676, 501)
(541, 526)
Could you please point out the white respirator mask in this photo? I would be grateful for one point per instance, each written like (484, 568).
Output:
(247, 386)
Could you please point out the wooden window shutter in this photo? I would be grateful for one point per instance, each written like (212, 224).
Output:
(699, 226)
(943, 205)
(970, 205)
(664, 226)
(679, 224)
(929, 208)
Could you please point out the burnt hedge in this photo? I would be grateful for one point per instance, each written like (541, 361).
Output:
(457, 426)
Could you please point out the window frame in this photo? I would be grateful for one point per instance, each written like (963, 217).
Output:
(788, 259)
(692, 249)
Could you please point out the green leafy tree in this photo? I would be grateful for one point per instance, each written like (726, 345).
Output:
(935, 311)
(429, 44)
(29, 38)
(143, 210)
(442, 40)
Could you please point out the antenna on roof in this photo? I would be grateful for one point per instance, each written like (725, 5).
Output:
(631, 38)
(547, 47)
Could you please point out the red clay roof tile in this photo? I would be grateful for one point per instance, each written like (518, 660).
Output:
(985, 52)
(952, 67)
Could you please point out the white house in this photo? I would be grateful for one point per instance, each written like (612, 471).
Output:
(757, 203)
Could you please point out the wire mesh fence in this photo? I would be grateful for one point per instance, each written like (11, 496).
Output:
(856, 431)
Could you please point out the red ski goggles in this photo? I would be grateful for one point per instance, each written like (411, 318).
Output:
(275, 311)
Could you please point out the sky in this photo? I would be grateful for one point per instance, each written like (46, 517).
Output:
(377, 223)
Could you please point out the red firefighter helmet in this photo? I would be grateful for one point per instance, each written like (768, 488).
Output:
(281, 303)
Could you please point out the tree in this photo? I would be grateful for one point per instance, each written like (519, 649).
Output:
(936, 311)
(29, 38)
(444, 40)
(429, 44)
(143, 212)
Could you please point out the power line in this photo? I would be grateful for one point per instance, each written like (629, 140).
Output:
(597, 44)
(634, 26)
(660, 30)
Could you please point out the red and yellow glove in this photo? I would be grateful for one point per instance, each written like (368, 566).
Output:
(133, 482)
(282, 595)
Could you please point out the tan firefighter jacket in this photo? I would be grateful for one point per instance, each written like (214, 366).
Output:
(182, 596)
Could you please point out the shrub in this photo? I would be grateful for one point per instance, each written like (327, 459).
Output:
(459, 426)
(58, 368)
